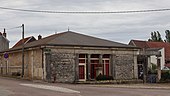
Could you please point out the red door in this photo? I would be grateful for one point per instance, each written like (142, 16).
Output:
(107, 69)
(81, 72)
(93, 71)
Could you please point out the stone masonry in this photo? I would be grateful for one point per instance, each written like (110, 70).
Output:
(124, 67)
(62, 67)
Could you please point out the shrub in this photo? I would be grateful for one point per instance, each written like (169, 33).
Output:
(165, 75)
(16, 74)
(104, 77)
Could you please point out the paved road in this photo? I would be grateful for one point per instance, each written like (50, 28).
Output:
(13, 87)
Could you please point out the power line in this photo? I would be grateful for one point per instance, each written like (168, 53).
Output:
(13, 28)
(1, 27)
(86, 12)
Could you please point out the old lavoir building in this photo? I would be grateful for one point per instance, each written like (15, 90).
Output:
(72, 57)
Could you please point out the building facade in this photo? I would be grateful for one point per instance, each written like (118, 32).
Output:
(72, 57)
(4, 42)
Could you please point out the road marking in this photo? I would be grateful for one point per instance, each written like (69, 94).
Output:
(5, 92)
(54, 88)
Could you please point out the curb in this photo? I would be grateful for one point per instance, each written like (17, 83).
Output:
(133, 87)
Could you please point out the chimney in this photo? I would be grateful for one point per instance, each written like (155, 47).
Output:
(4, 34)
(39, 37)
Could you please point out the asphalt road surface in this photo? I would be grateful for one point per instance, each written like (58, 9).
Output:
(15, 87)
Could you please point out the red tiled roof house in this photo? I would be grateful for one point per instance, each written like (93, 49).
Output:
(159, 47)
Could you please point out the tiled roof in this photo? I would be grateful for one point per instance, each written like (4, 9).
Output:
(139, 43)
(26, 40)
(151, 44)
(75, 39)
(161, 45)
(167, 65)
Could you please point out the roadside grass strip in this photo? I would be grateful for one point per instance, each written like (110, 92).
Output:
(53, 88)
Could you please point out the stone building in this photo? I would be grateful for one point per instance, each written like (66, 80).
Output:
(72, 57)
(3, 41)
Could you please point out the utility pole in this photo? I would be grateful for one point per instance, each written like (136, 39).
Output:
(144, 65)
(158, 69)
(22, 50)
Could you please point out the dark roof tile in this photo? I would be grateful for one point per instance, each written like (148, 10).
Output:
(75, 39)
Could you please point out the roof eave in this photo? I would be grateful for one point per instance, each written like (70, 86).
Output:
(132, 47)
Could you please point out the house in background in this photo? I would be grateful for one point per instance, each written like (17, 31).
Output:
(26, 40)
(4, 42)
(72, 57)
(4, 45)
(156, 52)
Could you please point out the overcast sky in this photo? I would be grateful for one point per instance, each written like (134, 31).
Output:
(116, 27)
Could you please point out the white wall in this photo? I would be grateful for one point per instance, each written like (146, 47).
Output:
(153, 59)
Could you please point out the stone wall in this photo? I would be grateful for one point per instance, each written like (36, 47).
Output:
(124, 66)
(12, 64)
(62, 67)
(32, 64)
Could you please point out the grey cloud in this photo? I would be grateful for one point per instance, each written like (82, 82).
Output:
(118, 27)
